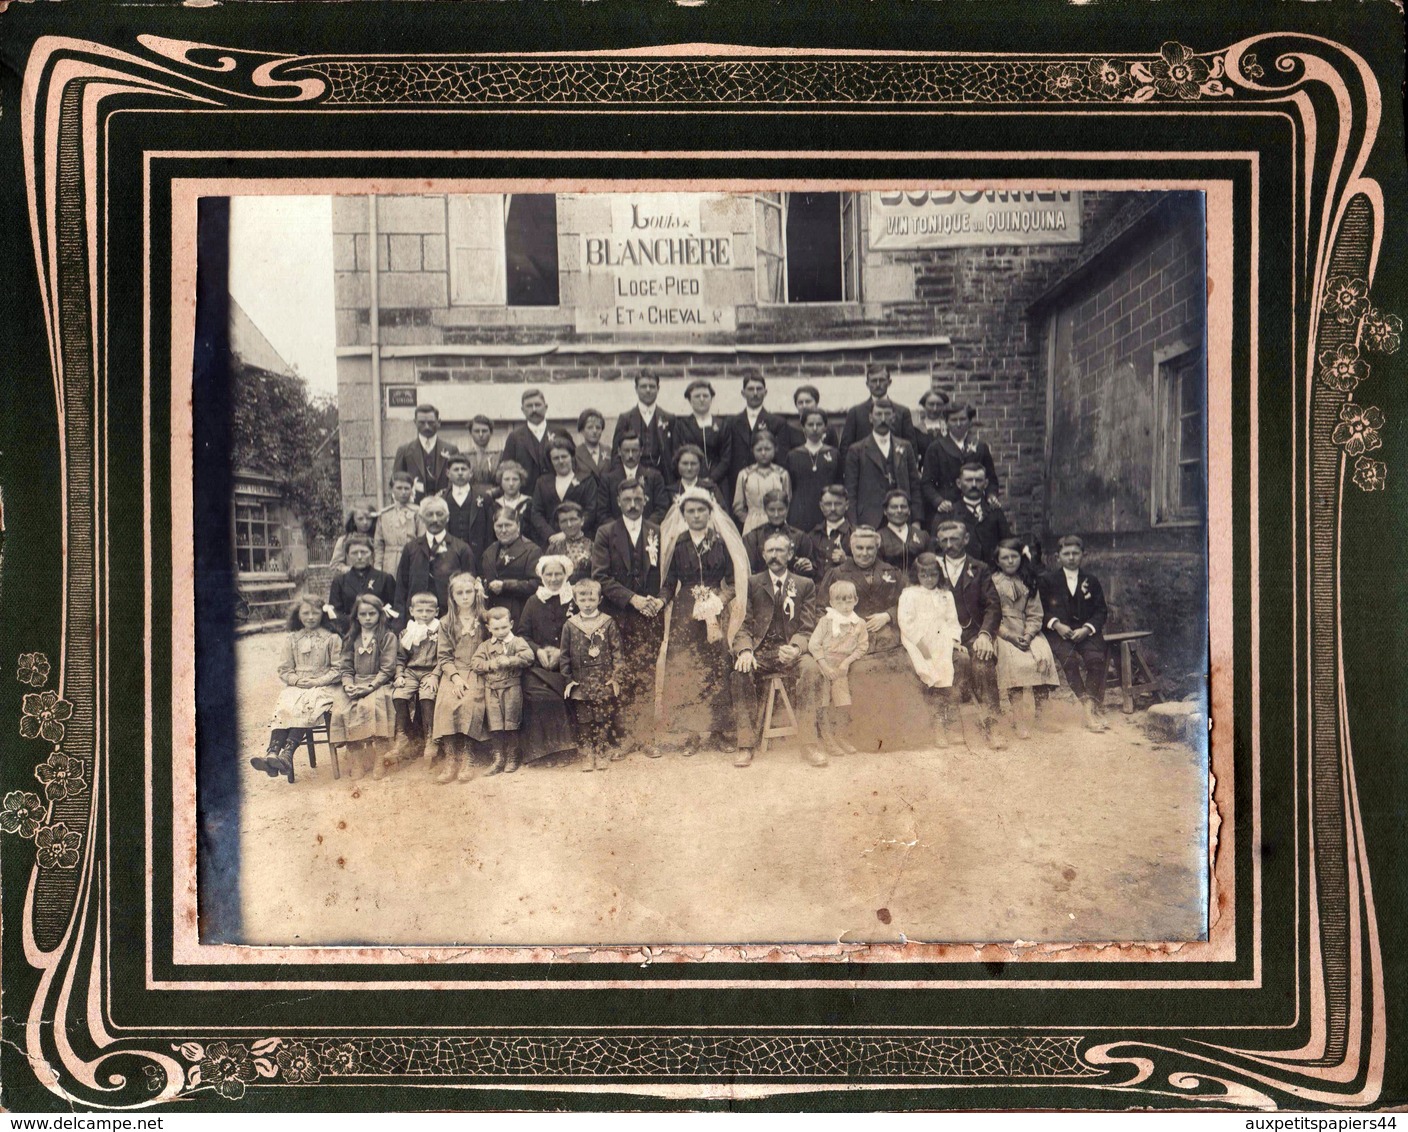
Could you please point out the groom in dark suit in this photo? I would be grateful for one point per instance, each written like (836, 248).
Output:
(626, 561)
(426, 458)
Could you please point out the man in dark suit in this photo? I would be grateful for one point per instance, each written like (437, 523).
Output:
(360, 578)
(803, 560)
(468, 521)
(946, 455)
(647, 423)
(831, 538)
(527, 444)
(976, 509)
(429, 562)
(979, 614)
(857, 425)
(630, 466)
(1073, 604)
(877, 465)
(740, 431)
(427, 458)
(773, 642)
(626, 561)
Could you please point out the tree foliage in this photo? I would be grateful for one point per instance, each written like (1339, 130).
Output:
(281, 431)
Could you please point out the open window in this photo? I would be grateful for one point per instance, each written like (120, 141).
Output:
(503, 250)
(807, 247)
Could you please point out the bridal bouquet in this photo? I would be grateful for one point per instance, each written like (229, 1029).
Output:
(707, 607)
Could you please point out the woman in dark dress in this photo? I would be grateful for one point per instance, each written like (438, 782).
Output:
(703, 431)
(557, 486)
(508, 568)
(547, 728)
(901, 541)
(813, 466)
(705, 584)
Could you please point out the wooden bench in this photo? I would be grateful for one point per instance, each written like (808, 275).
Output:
(1135, 675)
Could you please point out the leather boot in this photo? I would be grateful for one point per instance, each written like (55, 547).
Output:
(511, 763)
(287, 755)
(447, 767)
(1093, 722)
(352, 759)
(381, 763)
(989, 726)
(499, 765)
(465, 770)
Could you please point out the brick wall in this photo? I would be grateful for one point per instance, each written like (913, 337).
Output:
(1139, 303)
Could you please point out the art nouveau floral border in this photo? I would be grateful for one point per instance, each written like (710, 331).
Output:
(60, 775)
(1348, 306)
(1349, 330)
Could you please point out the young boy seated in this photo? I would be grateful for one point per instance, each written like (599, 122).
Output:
(417, 662)
(838, 641)
(501, 660)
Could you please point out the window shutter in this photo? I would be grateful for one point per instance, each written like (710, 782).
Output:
(477, 259)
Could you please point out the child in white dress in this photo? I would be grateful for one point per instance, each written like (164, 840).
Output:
(930, 633)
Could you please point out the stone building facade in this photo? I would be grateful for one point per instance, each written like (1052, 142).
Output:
(478, 298)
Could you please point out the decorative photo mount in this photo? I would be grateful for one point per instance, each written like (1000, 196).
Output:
(1285, 124)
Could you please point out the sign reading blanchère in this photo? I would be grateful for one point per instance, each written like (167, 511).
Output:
(951, 218)
(657, 260)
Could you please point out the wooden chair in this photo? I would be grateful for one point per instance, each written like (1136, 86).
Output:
(312, 743)
(1135, 675)
(776, 688)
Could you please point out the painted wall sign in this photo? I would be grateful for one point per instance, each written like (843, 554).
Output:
(951, 218)
(651, 265)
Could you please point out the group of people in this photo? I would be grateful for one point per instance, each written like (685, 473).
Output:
(568, 595)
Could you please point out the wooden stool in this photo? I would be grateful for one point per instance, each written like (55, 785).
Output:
(312, 743)
(765, 717)
(1135, 674)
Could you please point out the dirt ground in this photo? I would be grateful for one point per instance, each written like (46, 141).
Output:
(1069, 836)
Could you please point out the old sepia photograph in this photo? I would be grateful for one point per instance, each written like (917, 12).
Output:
(789, 565)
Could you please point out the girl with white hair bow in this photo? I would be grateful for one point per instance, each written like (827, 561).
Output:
(704, 580)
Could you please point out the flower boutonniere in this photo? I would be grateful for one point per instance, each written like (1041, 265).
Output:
(828, 457)
(971, 572)
(887, 577)
(652, 548)
(505, 558)
(789, 599)
(1085, 587)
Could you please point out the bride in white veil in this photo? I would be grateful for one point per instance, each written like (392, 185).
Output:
(704, 581)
